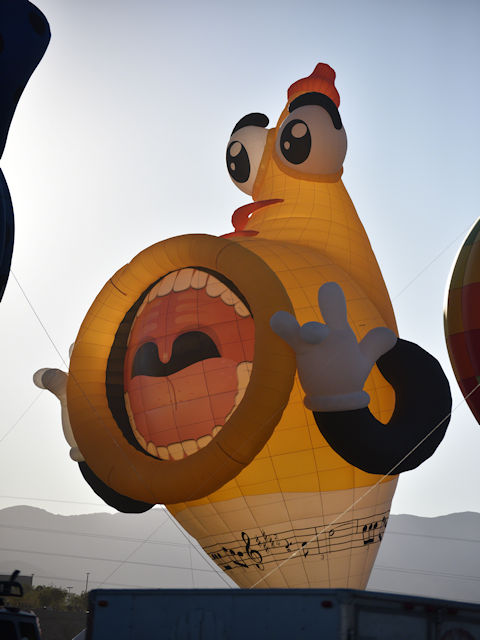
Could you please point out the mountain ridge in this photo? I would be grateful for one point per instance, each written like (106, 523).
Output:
(429, 556)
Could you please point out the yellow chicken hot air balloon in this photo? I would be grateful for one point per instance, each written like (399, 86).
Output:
(180, 392)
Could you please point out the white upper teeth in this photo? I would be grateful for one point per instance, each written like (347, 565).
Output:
(163, 287)
(183, 280)
(214, 287)
(199, 279)
(186, 278)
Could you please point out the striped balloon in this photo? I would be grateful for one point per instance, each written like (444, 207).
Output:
(462, 319)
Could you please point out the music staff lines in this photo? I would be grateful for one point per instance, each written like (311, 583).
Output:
(260, 547)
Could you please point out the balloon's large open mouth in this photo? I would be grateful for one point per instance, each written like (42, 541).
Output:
(188, 362)
(177, 380)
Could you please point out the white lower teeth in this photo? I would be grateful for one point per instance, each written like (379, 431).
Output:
(152, 449)
(175, 451)
(163, 453)
(190, 446)
(203, 441)
(244, 370)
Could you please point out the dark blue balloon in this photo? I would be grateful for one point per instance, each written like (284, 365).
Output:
(24, 37)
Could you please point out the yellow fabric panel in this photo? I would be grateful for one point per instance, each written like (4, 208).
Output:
(259, 471)
(322, 216)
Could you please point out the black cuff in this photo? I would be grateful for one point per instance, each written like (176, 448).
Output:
(422, 412)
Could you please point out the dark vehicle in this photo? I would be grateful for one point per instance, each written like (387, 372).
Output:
(16, 623)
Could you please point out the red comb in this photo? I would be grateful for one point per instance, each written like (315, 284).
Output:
(322, 80)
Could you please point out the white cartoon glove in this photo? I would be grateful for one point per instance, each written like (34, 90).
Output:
(332, 365)
(55, 381)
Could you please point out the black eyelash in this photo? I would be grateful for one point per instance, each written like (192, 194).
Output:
(320, 100)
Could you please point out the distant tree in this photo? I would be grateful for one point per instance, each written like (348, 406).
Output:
(78, 602)
(52, 597)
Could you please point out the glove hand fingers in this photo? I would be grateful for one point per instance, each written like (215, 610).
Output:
(286, 326)
(332, 305)
(377, 342)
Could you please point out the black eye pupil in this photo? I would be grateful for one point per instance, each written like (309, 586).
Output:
(238, 164)
(296, 142)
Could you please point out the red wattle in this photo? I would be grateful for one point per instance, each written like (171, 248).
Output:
(242, 215)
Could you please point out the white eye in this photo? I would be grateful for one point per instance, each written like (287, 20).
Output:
(244, 153)
(312, 140)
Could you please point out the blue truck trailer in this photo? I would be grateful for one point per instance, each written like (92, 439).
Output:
(277, 614)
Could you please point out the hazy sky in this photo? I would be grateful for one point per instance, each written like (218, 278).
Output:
(119, 142)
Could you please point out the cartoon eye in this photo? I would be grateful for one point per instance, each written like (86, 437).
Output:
(245, 150)
(296, 141)
(313, 140)
(238, 163)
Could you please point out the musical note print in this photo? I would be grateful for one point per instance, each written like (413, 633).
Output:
(372, 529)
(256, 548)
(266, 541)
(253, 554)
(368, 533)
(236, 557)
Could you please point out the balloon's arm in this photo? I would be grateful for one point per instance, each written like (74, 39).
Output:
(55, 381)
(333, 368)
(418, 424)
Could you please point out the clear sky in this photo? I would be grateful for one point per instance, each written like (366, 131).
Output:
(119, 142)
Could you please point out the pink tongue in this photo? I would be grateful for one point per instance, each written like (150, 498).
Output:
(179, 407)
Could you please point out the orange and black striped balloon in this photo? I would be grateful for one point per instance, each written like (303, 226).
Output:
(462, 319)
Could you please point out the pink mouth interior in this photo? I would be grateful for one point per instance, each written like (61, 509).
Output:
(189, 403)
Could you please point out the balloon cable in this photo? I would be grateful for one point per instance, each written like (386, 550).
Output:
(87, 399)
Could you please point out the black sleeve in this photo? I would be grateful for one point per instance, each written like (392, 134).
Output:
(422, 412)
(110, 496)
